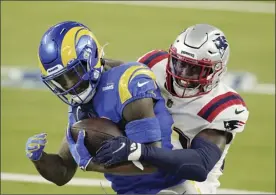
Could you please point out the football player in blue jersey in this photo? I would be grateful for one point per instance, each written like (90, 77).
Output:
(71, 64)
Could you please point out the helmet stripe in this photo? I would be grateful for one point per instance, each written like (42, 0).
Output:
(87, 32)
(68, 46)
(100, 52)
(84, 31)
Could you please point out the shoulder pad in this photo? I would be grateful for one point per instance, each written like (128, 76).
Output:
(218, 104)
(229, 121)
(135, 80)
(226, 112)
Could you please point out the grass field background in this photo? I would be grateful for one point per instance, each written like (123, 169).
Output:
(132, 31)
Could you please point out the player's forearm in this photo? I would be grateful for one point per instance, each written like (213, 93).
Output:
(192, 164)
(53, 168)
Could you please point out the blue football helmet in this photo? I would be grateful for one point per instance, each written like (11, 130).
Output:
(70, 62)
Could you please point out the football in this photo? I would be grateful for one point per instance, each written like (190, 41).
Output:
(97, 130)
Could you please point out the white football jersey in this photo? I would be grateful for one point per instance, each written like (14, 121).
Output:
(221, 109)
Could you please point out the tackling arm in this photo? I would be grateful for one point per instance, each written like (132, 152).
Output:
(194, 163)
(207, 147)
(57, 168)
(218, 137)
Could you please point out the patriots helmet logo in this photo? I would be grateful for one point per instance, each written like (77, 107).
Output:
(222, 44)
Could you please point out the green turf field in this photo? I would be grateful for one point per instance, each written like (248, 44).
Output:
(132, 31)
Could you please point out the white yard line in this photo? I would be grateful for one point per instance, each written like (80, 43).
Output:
(236, 6)
(16, 177)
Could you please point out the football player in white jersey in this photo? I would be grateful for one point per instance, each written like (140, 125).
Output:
(207, 113)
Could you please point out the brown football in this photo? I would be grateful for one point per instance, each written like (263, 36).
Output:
(98, 130)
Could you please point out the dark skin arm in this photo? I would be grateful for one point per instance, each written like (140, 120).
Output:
(57, 168)
(60, 168)
(139, 109)
(220, 138)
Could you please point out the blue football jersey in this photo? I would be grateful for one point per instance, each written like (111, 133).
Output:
(118, 87)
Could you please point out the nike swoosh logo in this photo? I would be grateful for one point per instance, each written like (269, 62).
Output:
(238, 111)
(122, 146)
(142, 84)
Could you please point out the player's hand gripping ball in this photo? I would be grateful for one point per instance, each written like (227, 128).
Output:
(35, 146)
(78, 150)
